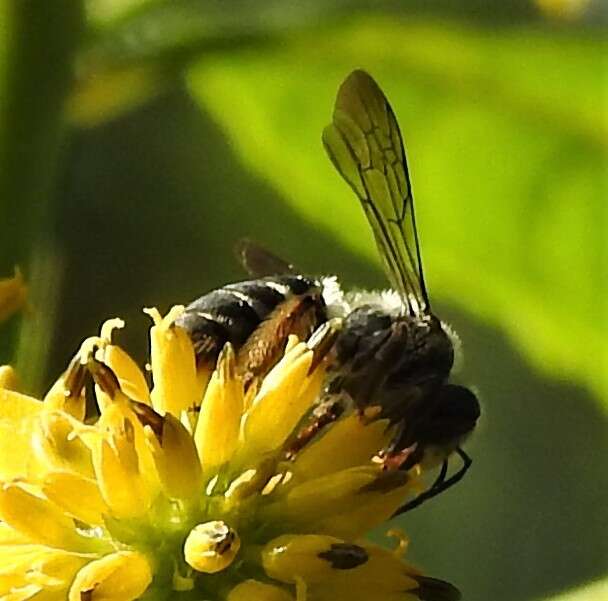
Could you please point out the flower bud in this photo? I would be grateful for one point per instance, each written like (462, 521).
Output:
(122, 576)
(211, 547)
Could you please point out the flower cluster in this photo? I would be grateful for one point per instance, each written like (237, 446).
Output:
(183, 489)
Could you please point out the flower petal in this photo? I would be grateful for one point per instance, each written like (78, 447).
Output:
(76, 495)
(15, 562)
(383, 576)
(327, 564)
(59, 399)
(13, 294)
(38, 519)
(131, 379)
(176, 459)
(120, 481)
(18, 413)
(53, 569)
(10, 536)
(285, 396)
(8, 378)
(23, 593)
(57, 443)
(125, 422)
(315, 499)
(370, 509)
(15, 407)
(291, 557)
(122, 576)
(124, 466)
(217, 430)
(335, 450)
(253, 590)
(176, 385)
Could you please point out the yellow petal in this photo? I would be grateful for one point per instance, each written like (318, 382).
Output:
(384, 569)
(330, 591)
(58, 398)
(217, 429)
(57, 444)
(283, 399)
(122, 576)
(15, 563)
(176, 459)
(125, 422)
(51, 569)
(347, 443)
(13, 295)
(368, 510)
(68, 392)
(38, 519)
(253, 590)
(120, 481)
(176, 385)
(8, 378)
(76, 495)
(292, 556)
(23, 593)
(123, 462)
(10, 536)
(131, 379)
(14, 406)
(14, 452)
(314, 499)
(18, 414)
(332, 562)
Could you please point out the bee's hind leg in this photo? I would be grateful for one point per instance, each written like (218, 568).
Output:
(441, 484)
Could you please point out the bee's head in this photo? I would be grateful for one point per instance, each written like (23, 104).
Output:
(455, 413)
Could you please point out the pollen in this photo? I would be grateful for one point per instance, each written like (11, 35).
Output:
(186, 489)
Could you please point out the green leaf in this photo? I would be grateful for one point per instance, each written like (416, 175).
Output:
(506, 144)
(137, 49)
(591, 592)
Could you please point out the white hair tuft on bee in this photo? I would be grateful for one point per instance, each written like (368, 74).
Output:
(389, 301)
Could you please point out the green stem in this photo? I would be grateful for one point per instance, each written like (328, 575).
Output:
(37, 44)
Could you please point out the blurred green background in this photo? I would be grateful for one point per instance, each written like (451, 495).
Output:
(139, 139)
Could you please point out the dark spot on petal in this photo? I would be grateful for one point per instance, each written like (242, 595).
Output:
(344, 556)
(75, 377)
(432, 589)
(148, 417)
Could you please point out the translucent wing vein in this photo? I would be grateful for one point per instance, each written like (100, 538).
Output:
(365, 145)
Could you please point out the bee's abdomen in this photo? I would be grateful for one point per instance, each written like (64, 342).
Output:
(232, 313)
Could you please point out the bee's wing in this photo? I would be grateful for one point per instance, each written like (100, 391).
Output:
(364, 143)
(259, 261)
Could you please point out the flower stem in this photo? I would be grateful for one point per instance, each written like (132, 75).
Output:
(37, 45)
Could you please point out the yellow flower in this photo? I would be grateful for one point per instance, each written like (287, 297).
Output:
(193, 489)
(13, 295)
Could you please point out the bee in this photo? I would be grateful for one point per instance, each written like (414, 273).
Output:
(389, 356)
(256, 316)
